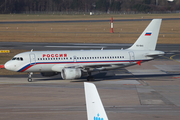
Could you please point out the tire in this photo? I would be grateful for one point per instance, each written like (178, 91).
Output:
(90, 78)
(29, 79)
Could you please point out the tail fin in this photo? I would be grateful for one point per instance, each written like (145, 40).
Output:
(94, 106)
(148, 39)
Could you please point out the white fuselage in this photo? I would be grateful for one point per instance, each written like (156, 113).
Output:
(48, 61)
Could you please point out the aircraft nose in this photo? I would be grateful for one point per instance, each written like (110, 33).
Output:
(8, 65)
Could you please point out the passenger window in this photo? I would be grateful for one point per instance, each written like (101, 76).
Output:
(21, 59)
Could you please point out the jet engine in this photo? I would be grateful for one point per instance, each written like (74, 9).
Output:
(49, 74)
(71, 73)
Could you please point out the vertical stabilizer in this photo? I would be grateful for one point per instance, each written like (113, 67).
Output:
(148, 39)
(94, 106)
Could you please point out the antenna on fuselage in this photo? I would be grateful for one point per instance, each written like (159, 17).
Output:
(31, 50)
(102, 48)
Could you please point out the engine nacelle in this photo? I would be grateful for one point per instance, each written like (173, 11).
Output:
(71, 73)
(49, 74)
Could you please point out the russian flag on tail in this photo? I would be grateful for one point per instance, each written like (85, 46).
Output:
(148, 33)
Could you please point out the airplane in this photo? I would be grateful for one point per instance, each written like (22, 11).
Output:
(94, 106)
(77, 63)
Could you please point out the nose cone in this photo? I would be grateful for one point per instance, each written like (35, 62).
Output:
(9, 66)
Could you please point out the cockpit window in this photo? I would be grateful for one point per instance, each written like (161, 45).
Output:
(17, 58)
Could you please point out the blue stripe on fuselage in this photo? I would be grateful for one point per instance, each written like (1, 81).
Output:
(77, 62)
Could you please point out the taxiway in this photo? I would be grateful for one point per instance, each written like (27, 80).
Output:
(149, 91)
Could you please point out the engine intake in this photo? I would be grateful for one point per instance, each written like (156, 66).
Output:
(71, 73)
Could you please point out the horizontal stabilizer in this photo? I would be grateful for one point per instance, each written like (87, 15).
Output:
(155, 54)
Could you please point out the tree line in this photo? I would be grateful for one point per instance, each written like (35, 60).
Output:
(19, 6)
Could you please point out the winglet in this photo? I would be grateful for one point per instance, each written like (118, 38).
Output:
(94, 106)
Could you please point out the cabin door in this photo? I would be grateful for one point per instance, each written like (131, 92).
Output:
(32, 58)
(131, 56)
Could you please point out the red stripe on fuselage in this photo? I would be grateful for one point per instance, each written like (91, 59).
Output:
(26, 68)
(80, 62)
(71, 63)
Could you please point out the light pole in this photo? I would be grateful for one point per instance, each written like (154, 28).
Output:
(156, 2)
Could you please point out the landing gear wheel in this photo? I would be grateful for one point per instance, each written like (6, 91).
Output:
(90, 78)
(29, 79)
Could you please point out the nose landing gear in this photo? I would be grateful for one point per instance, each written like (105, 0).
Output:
(29, 77)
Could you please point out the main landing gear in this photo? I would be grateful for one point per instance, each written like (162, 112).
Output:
(90, 78)
(29, 77)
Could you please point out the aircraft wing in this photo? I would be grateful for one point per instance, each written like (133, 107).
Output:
(95, 67)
